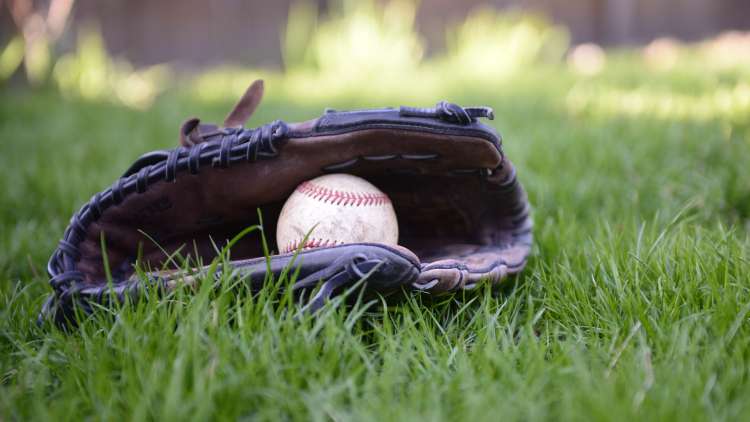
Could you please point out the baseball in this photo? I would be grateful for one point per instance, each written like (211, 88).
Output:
(336, 209)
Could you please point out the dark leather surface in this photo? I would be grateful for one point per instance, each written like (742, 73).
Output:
(339, 122)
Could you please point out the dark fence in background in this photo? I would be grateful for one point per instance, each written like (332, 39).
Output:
(200, 33)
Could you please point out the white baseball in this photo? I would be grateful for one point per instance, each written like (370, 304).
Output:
(336, 209)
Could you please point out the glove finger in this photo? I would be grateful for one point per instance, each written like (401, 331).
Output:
(469, 265)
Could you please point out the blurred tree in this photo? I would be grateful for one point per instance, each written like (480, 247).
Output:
(38, 27)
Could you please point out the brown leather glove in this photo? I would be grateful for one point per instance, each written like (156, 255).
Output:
(463, 216)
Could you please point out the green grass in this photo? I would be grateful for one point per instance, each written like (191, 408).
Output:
(635, 303)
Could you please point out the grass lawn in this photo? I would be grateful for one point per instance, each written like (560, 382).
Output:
(635, 303)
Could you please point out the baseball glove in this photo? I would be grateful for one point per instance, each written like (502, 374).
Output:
(463, 216)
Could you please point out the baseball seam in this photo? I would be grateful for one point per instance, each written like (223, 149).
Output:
(338, 197)
(311, 243)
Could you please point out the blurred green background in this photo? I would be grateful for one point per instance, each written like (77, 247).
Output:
(629, 124)
(130, 52)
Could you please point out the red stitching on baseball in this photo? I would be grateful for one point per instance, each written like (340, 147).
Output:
(338, 197)
(311, 243)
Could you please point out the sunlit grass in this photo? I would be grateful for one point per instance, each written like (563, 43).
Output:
(725, 103)
(635, 304)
